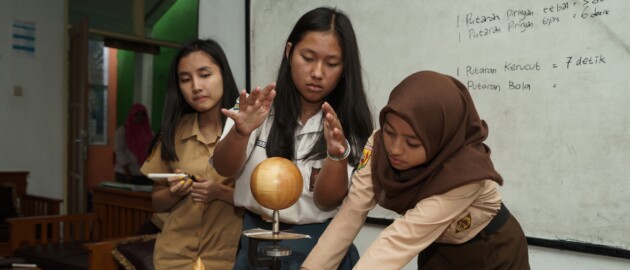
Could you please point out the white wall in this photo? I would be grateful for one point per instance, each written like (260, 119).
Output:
(223, 20)
(32, 126)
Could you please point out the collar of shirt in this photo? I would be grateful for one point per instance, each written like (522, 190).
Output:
(190, 128)
(312, 125)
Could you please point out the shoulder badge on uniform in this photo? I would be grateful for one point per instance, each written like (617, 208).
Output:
(365, 157)
(236, 105)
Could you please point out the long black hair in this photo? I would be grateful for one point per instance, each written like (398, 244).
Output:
(175, 106)
(348, 99)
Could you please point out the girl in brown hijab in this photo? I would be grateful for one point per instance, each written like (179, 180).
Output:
(428, 163)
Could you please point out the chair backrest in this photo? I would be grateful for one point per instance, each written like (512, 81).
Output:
(12, 188)
(28, 231)
(16, 179)
(122, 212)
(27, 205)
(8, 199)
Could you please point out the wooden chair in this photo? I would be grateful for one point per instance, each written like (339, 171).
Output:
(25, 205)
(117, 214)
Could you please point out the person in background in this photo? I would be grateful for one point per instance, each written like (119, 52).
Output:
(203, 227)
(428, 163)
(317, 116)
(131, 146)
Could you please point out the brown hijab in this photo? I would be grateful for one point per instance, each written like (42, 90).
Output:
(442, 114)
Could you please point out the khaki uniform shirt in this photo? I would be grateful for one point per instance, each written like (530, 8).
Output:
(193, 230)
(453, 217)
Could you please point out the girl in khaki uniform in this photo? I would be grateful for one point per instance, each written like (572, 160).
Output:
(203, 227)
(428, 163)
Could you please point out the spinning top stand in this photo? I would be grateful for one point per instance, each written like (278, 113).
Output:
(273, 252)
(255, 261)
(276, 183)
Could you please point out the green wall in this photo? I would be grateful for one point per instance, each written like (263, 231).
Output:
(124, 94)
(178, 25)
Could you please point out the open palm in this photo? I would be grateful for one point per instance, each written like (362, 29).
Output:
(253, 109)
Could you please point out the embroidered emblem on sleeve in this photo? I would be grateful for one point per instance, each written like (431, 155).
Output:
(236, 107)
(464, 223)
(365, 157)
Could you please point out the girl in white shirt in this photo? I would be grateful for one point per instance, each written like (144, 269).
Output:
(317, 116)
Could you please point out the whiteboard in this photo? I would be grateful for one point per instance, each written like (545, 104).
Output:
(551, 78)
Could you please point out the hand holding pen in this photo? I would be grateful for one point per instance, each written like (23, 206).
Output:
(179, 182)
(200, 189)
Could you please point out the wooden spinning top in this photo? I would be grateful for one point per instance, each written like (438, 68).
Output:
(276, 183)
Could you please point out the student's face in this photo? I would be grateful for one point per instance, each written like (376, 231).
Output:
(140, 117)
(200, 81)
(316, 65)
(404, 149)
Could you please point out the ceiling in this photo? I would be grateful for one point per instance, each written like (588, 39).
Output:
(117, 16)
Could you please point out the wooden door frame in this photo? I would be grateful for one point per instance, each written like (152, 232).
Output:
(77, 117)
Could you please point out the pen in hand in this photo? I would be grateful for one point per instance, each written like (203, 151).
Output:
(160, 176)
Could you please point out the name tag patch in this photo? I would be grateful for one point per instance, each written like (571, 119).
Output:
(261, 143)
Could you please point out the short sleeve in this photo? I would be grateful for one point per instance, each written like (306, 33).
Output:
(229, 123)
(154, 162)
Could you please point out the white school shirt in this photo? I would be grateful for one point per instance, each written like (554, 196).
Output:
(304, 211)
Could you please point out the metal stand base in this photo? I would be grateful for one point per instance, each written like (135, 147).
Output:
(269, 256)
(273, 254)
(277, 251)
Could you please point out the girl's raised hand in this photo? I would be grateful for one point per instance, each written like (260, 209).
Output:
(253, 109)
(333, 132)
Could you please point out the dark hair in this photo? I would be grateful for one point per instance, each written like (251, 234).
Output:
(348, 99)
(175, 107)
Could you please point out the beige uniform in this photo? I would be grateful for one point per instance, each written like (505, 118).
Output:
(453, 217)
(193, 230)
